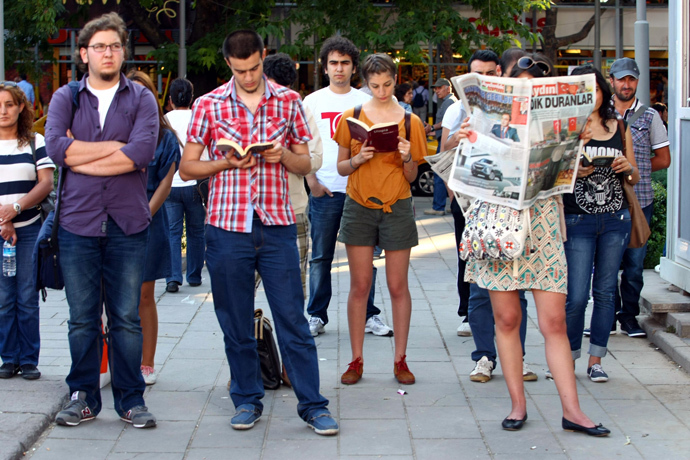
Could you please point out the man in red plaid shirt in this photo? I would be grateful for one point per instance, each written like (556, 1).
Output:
(251, 225)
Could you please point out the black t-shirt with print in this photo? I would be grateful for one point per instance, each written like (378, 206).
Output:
(601, 191)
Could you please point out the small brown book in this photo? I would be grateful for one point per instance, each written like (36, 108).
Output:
(225, 145)
(382, 136)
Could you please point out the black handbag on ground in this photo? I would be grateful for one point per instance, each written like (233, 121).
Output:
(271, 371)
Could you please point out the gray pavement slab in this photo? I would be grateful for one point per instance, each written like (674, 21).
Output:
(646, 403)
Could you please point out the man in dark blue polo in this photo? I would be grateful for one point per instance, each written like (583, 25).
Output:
(103, 139)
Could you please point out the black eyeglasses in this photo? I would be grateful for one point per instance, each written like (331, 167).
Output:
(526, 63)
(101, 47)
(10, 84)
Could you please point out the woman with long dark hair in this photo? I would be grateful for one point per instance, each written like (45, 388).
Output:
(26, 178)
(598, 223)
(544, 272)
(160, 171)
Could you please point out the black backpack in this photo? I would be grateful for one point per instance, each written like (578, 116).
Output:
(268, 352)
(418, 100)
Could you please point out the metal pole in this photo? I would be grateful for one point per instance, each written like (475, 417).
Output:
(72, 47)
(619, 30)
(597, 35)
(182, 58)
(642, 51)
(2, 45)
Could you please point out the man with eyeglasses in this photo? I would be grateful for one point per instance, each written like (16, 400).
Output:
(475, 304)
(103, 135)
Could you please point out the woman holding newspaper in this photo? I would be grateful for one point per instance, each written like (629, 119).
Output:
(598, 223)
(378, 209)
(544, 272)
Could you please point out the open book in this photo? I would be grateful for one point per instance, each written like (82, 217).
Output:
(226, 145)
(599, 160)
(382, 136)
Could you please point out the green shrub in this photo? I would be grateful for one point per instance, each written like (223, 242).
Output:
(657, 240)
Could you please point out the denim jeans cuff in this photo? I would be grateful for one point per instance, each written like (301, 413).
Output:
(598, 351)
(576, 354)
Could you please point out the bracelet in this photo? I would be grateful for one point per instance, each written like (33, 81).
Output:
(408, 160)
(351, 165)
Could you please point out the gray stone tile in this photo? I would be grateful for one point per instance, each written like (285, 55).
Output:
(146, 456)
(215, 432)
(367, 403)
(444, 423)
(244, 453)
(294, 428)
(374, 437)
(667, 376)
(435, 449)
(176, 405)
(64, 449)
(188, 375)
(166, 437)
(638, 418)
(535, 434)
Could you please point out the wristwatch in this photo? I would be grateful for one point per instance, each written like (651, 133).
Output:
(17, 208)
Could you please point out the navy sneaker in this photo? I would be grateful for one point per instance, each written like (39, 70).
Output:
(75, 411)
(632, 328)
(323, 423)
(596, 373)
(30, 372)
(139, 417)
(246, 415)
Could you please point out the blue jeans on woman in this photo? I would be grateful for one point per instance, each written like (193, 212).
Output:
(20, 340)
(184, 206)
(594, 250)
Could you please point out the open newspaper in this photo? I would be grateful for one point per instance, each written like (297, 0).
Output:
(524, 137)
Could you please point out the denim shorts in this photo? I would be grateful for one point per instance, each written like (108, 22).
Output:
(362, 226)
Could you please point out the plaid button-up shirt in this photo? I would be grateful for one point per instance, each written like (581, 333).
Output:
(234, 194)
(648, 134)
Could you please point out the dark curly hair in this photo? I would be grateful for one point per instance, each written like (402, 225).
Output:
(281, 68)
(606, 111)
(25, 122)
(401, 90)
(343, 46)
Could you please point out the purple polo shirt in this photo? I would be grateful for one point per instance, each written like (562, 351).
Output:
(88, 201)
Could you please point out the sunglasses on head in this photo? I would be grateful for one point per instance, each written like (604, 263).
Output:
(10, 84)
(526, 63)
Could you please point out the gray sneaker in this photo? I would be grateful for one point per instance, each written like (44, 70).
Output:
(139, 417)
(75, 411)
(316, 326)
(482, 370)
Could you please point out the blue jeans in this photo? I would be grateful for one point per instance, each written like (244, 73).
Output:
(481, 319)
(594, 240)
(632, 281)
(184, 203)
(324, 215)
(20, 340)
(115, 262)
(232, 258)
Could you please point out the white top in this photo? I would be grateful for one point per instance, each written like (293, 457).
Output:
(18, 174)
(179, 120)
(327, 108)
(105, 98)
(453, 117)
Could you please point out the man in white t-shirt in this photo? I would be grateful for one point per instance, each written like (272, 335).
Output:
(339, 58)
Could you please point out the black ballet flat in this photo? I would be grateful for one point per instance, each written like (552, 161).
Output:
(512, 424)
(598, 431)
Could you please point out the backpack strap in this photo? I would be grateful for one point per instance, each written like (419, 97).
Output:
(408, 123)
(358, 110)
(638, 113)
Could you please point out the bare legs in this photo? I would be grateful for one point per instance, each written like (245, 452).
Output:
(360, 259)
(551, 316)
(149, 322)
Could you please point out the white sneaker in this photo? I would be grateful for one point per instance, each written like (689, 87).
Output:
(528, 375)
(150, 375)
(377, 327)
(316, 326)
(464, 329)
(548, 374)
(482, 370)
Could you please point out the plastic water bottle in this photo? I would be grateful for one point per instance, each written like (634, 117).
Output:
(9, 259)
